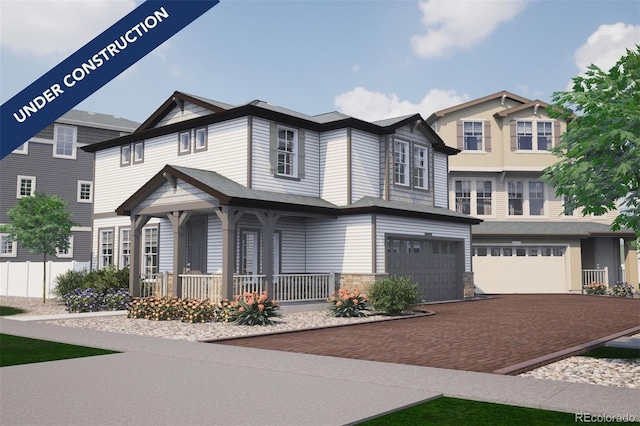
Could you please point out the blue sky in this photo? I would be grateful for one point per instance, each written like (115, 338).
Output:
(369, 59)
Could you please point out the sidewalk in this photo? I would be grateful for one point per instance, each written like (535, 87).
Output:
(162, 381)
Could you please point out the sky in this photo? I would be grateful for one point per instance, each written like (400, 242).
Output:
(368, 59)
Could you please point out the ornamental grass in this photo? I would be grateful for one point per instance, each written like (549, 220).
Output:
(348, 305)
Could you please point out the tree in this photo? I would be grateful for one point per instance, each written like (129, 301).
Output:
(40, 224)
(599, 167)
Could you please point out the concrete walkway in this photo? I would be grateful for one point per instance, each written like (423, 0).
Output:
(170, 382)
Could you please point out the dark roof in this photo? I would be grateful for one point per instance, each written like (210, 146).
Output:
(229, 192)
(98, 120)
(221, 112)
(438, 114)
(546, 229)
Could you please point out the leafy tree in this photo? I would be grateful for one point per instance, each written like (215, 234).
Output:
(40, 224)
(599, 165)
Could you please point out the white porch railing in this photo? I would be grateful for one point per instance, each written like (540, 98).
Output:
(201, 286)
(595, 276)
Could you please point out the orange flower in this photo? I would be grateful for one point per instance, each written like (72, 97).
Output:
(338, 303)
(355, 301)
(261, 307)
(241, 309)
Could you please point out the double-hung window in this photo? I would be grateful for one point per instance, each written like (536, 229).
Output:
(401, 163)
(474, 197)
(545, 135)
(484, 197)
(64, 144)
(472, 133)
(463, 196)
(85, 191)
(524, 133)
(287, 151)
(516, 198)
(125, 248)
(150, 251)
(536, 198)
(526, 198)
(26, 186)
(534, 135)
(8, 248)
(420, 167)
(106, 248)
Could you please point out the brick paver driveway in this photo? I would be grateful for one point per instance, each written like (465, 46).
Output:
(482, 335)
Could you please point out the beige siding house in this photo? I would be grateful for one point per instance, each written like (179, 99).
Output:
(527, 242)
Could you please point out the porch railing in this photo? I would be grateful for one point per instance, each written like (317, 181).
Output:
(154, 284)
(595, 276)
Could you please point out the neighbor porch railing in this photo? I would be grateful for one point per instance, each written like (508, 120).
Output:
(595, 276)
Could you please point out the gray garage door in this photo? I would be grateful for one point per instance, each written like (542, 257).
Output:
(435, 265)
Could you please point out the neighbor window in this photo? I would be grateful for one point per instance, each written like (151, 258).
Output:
(85, 191)
(401, 163)
(473, 135)
(8, 248)
(125, 155)
(67, 252)
(463, 196)
(64, 144)
(525, 135)
(150, 251)
(138, 152)
(516, 199)
(287, 151)
(201, 139)
(26, 186)
(106, 248)
(184, 143)
(420, 167)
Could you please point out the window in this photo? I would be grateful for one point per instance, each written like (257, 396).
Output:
(184, 143)
(463, 196)
(85, 191)
(516, 199)
(518, 251)
(64, 144)
(125, 155)
(201, 140)
(401, 163)
(473, 135)
(525, 135)
(287, 151)
(420, 167)
(150, 251)
(567, 211)
(536, 198)
(106, 248)
(545, 136)
(138, 152)
(125, 248)
(26, 186)
(66, 253)
(8, 248)
(474, 197)
(22, 149)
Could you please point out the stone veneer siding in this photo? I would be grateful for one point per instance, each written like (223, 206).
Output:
(362, 282)
(468, 291)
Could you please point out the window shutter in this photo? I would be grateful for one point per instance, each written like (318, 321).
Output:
(459, 135)
(487, 136)
(556, 133)
(273, 148)
(301, 153)
(514, 139)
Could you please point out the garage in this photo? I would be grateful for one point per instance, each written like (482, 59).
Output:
(436, 265)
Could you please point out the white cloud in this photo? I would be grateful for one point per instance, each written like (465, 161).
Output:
(46, 27)
(605, 46)
(454, 24)
(371, 106)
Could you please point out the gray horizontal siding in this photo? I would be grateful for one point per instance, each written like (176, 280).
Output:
(81, 251)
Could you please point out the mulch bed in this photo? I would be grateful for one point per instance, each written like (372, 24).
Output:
(480, 335)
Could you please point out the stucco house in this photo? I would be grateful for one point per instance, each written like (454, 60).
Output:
(53, 162)
(527, 242)
(207, 199)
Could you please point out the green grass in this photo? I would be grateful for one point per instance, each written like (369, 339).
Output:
(455, 412)
(16, 350)
(8, 310)
(607, 352)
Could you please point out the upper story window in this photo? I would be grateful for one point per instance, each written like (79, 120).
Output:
(8, 248)
(526, 198)
(66, 252)
(138, 152)
(132, 154)
(201, 140)
(534, 135)
(26, 186)
(184, 143)
(484, 197)
(463, 196)
(401, 163)
(22, 149)
(64, 143)
(474, 197)
(473, 135)
(545, 135)
(125, 155)
(85, 191)
(567, 211)
(287, 151)
(420, 167)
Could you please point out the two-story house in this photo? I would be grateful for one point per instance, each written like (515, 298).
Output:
(527, 243)
(54, 163)
(220, 198)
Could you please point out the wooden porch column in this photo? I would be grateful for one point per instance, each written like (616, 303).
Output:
(229, 217)
(137, 222)
(178, 220)
(268, 221)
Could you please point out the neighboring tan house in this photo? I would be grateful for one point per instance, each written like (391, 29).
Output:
(527, 242)
(218, 199)
(51, 162)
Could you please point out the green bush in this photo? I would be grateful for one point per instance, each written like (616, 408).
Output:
(251, 309)
(347, 304)
(69, 282)
(394, 294)
(109, 278)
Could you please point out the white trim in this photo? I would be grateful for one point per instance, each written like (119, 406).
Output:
(294, 152)
(473, 194)
(74, 141)
(81, 228)
(19, 180)
(526, 199)
(79, 193)
(69, 254)
(14, 247)
(23, 151)
(407, 163)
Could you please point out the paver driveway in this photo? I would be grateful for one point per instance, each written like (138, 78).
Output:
(481, 335)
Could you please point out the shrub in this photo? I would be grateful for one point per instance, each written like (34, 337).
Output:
(595, 288)
(621, 289)
(249, 309)
(347, 304)
(89, 300)
(394, 294)
(69, 281)
(107, 278)
(194, 310)
(173, 308)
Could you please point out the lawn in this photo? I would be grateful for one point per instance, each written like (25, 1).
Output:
(8, 310)
(453, 411)
(16, 350)
(608, 352)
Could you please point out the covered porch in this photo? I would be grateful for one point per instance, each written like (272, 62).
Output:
(226, 239)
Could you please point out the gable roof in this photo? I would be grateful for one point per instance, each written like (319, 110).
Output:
(97, 120)
(525, 106)
(222, 112)
(497, 229)
(229, 192)
(439, 114)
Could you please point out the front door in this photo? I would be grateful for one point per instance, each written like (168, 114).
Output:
(249, 262)
(197, 245)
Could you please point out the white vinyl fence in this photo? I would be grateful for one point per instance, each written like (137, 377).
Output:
(25, 278)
